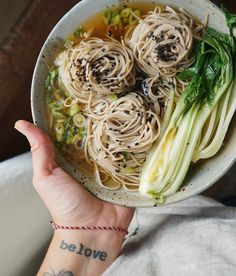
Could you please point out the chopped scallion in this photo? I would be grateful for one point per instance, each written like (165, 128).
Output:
(113, 97)
(125, 12)
(116, 20)
(78, 32)
(74, 109)
(68, 44)
(107, 17)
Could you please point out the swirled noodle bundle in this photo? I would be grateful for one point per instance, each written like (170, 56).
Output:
(117, 144)
(162, 42)
(158, 90)
(97, 67)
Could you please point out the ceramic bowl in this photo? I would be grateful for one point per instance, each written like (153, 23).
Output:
(201, 176)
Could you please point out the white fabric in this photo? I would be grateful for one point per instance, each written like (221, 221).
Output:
(193, 237)
(24, 221)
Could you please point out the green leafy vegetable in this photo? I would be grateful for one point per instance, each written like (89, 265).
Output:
(230, 18)
(211, 78)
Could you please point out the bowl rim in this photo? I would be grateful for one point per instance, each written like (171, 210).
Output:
(36, 118)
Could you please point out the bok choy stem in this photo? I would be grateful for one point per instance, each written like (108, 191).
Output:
(211, 79)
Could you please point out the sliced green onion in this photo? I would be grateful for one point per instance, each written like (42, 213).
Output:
(82, 132)
(68, 134)
(107, 17)
(49, 99)
(116, 20)
(59, 129)
(57, 115)
(115, 13)
(55, 106)
(51, 78)
(113, 97)
(74, 109)
(78, 32)
(125, 13)
(79, 120)
(68, 44)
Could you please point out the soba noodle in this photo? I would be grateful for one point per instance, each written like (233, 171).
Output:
(162, 42)
(97, 67)
(118, 143)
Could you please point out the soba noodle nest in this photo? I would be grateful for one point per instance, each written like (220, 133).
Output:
(158, 90)
(118, 143)
(162, 42)
(97, 67)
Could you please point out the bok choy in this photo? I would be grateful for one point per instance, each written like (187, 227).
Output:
(188, 136)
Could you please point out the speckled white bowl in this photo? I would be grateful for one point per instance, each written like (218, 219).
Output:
(202, 176)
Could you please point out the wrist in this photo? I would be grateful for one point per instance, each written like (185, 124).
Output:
(82, 252)
(87, 252)
(99, 240)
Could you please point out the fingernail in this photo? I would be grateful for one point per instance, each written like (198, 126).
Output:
(18, 125)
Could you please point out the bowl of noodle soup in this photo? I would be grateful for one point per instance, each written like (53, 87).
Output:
(112, 91)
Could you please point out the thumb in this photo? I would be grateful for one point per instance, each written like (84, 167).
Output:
(43, 153)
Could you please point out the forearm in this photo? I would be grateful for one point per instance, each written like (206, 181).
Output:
(81, 252)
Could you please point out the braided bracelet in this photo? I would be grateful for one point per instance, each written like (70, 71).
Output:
(112, 228)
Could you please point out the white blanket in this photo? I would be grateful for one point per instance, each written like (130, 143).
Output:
(194, 237)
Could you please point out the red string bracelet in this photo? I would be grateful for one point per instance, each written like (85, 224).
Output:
(112, 228)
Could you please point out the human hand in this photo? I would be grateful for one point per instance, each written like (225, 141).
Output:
(71, 205)
(68, 202)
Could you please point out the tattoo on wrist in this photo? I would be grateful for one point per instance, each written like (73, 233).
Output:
(60, 273)
(82, 250)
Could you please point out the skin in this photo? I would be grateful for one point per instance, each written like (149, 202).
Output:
(70, 204)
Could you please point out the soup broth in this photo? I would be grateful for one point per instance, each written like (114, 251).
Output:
(113, 88)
